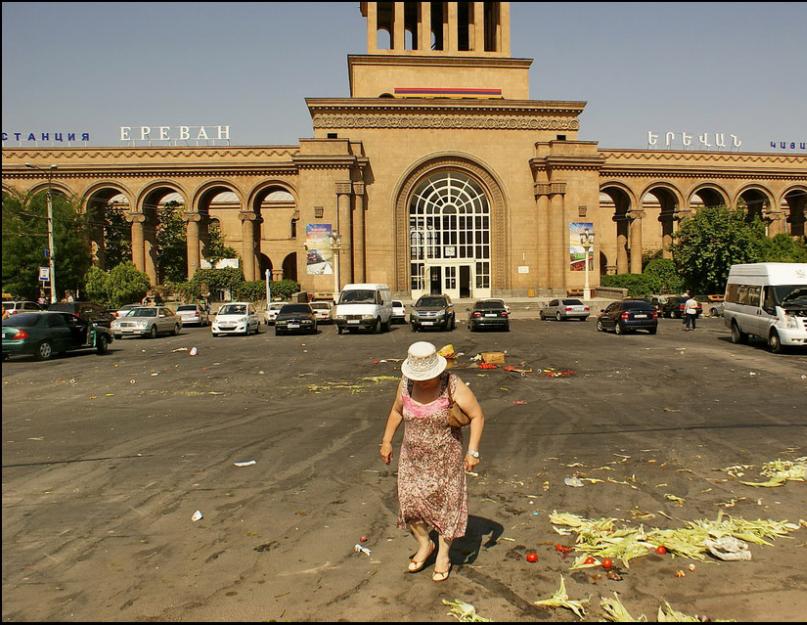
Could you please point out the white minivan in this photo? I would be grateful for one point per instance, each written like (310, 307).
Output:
(768, 300)
(363, 306)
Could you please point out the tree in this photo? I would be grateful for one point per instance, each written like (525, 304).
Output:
(783, 249)
(25, 242)
(123, 284)
(215, 249)
(172, 245)
(709, 243)
(117, 238)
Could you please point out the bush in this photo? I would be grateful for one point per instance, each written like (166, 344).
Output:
(251, 291)
(284, 289)
(663, 270)
(123, 284)
(638, 284)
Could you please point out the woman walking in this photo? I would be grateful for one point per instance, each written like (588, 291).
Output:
(431, 470)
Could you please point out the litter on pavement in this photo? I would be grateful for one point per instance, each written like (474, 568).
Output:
(561, 600)
(464, 612)
(248, 463)
(197, 516)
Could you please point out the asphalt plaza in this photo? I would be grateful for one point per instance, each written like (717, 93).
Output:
(107, 458)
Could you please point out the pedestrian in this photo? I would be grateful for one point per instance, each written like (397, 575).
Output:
(431, 469)
(691, 310)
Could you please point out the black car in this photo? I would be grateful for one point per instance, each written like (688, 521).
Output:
(627, 316)
(675, 308)
(44, 334)
(88, 311)
(432, 311)
(489, 313)
(296, 318)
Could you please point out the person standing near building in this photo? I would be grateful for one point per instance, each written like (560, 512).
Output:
(691, 310)
(431, 471)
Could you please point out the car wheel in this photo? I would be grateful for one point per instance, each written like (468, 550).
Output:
(557, 316)
(507, 328)
(102, 344)
(414, 328)
(774, 342)
(118, 337)
(600, 327)
(153, 333)
(176, 330)
(45, 351)
(618, 328)
(339, 329)
(277, 332)
(215, 334)
(653, 330)
(377, 327)
(737, 336)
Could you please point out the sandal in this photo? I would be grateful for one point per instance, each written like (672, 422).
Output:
(441, 576)
(420, 564)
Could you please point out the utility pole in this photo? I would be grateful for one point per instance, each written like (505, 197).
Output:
(51, 263)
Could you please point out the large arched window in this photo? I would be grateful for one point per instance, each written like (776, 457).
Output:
(449, 224)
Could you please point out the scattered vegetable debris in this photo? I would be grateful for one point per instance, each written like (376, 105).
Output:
(561, 600)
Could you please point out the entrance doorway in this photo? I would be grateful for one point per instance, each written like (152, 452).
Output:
(436, 280)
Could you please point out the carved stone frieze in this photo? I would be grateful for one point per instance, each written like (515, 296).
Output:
(484, 122)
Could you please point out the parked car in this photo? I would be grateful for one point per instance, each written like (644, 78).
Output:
(398, 311)
(88, 311)
(271, 312)
(627, 316)
(769, 301)
(46, 333)
(125, 310)
(236, 318)
(147, 321)
(364, 307)
(193, 314)
(489, 313)
(433, 311)
(323, 311)
(16, 307)
(296, 318)
(560, 309)
(675, 308)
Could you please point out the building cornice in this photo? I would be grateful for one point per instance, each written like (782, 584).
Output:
(444, 105)
(467, 59)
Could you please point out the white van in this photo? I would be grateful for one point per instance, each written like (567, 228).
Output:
(363, 306)
(768, 300)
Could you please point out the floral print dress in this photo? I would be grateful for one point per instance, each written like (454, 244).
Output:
(431, 473)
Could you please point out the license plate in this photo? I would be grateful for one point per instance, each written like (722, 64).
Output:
(491, 315)
(354, 321)
(640, 316)
(427, 323)
(294, 325)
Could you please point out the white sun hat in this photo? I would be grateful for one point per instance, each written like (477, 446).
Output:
(423, 362)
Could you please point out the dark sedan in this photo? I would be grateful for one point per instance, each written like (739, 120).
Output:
(490, 313)
(675, 308)
(47, 333)
(296, 318)
(628, 316)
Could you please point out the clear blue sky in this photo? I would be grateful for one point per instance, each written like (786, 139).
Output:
(738, 68)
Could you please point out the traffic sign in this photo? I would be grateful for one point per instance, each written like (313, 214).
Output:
(44, 274)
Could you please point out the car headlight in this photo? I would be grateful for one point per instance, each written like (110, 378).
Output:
(340, 317)
(791, 322)
(368, 317)
(244, 319)
(142, 324)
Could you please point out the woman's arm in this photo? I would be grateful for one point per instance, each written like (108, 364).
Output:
(393, 421)
(466, 400)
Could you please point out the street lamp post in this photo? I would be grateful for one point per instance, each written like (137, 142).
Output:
(51, 264)
(587, 241)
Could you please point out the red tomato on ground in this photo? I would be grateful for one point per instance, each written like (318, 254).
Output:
(607, 564)
(661, 550)
(532, 556)
(589, 560)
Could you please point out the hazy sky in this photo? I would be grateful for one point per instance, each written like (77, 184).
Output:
(82, 67)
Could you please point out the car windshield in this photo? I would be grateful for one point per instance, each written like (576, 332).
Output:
(143, 312)
(295, 308)
(24, 320)
(184, 308)
(320, 305)
(572, 302)
(359, 296)
(276, 306)
(431, 301)
(490, 305)
(397, 304)
(792, 295)
(233, 309)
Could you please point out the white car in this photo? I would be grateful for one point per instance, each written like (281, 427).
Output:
(398, 311)
(192, 313)
(271, 312)
(323, 311)
(236, 318)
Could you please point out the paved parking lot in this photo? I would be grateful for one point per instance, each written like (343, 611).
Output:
(106, 458)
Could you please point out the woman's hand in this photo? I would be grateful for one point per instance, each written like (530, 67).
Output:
(386, 452)
(470, 462)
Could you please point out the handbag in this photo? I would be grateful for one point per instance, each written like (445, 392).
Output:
(456, 416)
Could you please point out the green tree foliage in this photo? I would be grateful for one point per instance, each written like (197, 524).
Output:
(172, 246)
(665, 275)
(117, 238)
(638, 284)
(709, 243)
(215, 249)
(123, 284)
(25, 229)
(783, 249)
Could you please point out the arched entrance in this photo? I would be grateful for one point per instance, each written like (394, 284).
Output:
(620, 200)
(290, 267)
(755, 203)
(707, 196)
(660, 203)
(794, 204)
(161, 206)
(450, 236)
(110, 233)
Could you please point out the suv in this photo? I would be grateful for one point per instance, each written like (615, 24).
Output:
(88, 311)
(432, 311)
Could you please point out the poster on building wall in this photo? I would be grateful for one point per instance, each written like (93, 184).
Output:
(319, 254)
(577, 253)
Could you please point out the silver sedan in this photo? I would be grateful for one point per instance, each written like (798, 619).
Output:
(147, 321)
(560, 309)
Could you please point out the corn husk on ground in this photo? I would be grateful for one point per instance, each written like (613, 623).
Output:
(616, 612)
(464, 612)
(781, 471)
(561, 600)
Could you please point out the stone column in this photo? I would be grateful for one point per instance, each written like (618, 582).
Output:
(398, 28)
(138, 247)
(149, 244)
(504, 28)
(343, 192)
(248, 219)
(479, 27)
(636, 241)
(358, 233)
(425, 26)
(372, 27)
(666, 219)
(453, 31)
(621, 244)
(558, 245)
(776, 222)
(192, 238)
(542, 202)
